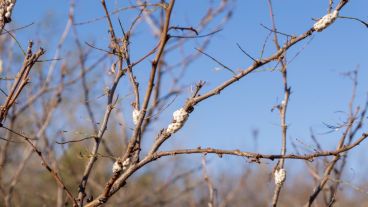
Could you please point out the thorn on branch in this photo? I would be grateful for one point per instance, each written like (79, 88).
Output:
(218, 62)
(196, 36)
(277, 32)
(356, 19)
(256, 61)
(184, 29)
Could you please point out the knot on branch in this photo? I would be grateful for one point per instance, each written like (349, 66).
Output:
(102, 200)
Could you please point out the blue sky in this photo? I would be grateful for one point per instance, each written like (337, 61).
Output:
(226, 121)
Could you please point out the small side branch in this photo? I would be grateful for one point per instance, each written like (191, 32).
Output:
(21, 80)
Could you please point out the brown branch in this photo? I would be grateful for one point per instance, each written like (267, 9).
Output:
(254, 157)
(332, 164)
(15, 179)
(257, 156)
(350, 134)
(109, 107)
(211, 189)
(133, 140)
(274, 57)
(118, 179)
(164, 187)
(20, 81)
(46, 89)
(282, 107)
(163, 40)
(162, 136)
(55, 175)
(86, 89)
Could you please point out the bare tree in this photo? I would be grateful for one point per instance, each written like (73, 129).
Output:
(93, 161)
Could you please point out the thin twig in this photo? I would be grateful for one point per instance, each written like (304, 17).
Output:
(218, 62)
(246, 53)
(77, 140)
(211, 189)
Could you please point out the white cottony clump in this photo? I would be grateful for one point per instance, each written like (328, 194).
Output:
(6, 10)
(180, 115)
(174, 127)
(126, 163)
(280, 176)
(325, 21)
(7, 14)
(135, 116)
(116, 167)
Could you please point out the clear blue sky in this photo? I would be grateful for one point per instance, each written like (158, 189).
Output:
(226, 121)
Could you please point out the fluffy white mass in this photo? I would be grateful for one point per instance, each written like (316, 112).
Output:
(173, 127)
(6, 9)
(135, 116)
(179, 116)
(325, 21)
(116, 167)
(280, 176)
(126, 163)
